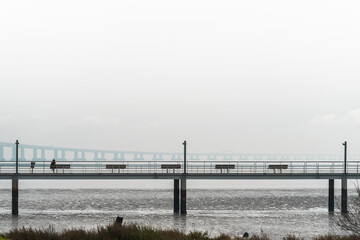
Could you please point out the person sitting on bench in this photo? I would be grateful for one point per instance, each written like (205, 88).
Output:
(52, 165)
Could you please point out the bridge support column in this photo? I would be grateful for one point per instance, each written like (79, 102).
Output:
(15, 196)
(344, 195)
(176, 196)
(22, 154)
(331, 196)
(2, 153)
(43, 154)
(183, 196)
(35, 154)
(13, 154)
(76, 156)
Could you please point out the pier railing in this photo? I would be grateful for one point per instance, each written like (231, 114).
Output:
(169, 167)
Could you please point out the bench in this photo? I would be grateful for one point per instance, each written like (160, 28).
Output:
(225, 166)
(60, 166)
(279, 167)
(170, 166)
(115, 166)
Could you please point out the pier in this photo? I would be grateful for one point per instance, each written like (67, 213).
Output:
(148, 165)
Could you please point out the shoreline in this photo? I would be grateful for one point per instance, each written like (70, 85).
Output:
(118, 231)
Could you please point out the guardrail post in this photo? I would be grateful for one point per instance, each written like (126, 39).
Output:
(331, 195)
(317, 167)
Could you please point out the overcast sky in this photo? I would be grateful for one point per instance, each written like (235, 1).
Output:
(227, 76)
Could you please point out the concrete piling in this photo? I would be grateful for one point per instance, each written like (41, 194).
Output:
(331, 196)
(344, 195)
(183, 196)
(15, 196)
(176, 196)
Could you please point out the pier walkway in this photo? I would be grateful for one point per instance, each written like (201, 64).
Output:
(194, 170)
(34, 162)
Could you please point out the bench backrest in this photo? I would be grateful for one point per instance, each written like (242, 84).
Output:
(170, 166)
(225, 166)
(63, 166)
(278, 166)
(115, 166)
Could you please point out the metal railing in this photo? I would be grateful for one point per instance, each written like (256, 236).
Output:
(193, 167)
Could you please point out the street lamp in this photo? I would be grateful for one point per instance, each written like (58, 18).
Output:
(184, 143)
(345, 149)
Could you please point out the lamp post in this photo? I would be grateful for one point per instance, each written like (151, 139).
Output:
(345, 152)
(344, 184)
(183, 185)
(184, 143)
(17, 157)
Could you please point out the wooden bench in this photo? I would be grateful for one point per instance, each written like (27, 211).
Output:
(279, 167)
(115, 166)
(170, 166)
(225, 166)
(60, 166)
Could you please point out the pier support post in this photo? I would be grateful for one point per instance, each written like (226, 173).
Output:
(331, 195)
(344, 195)
(15, 196)
(176, 196)
(183, 196)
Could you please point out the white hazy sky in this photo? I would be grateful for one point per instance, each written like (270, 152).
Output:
(236, 76)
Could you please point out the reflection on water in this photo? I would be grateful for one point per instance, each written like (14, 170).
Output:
(277, 212)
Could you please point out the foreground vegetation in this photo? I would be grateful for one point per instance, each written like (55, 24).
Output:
(118, 231)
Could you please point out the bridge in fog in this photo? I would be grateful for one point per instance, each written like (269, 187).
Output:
(35, 162)
(43, 153)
